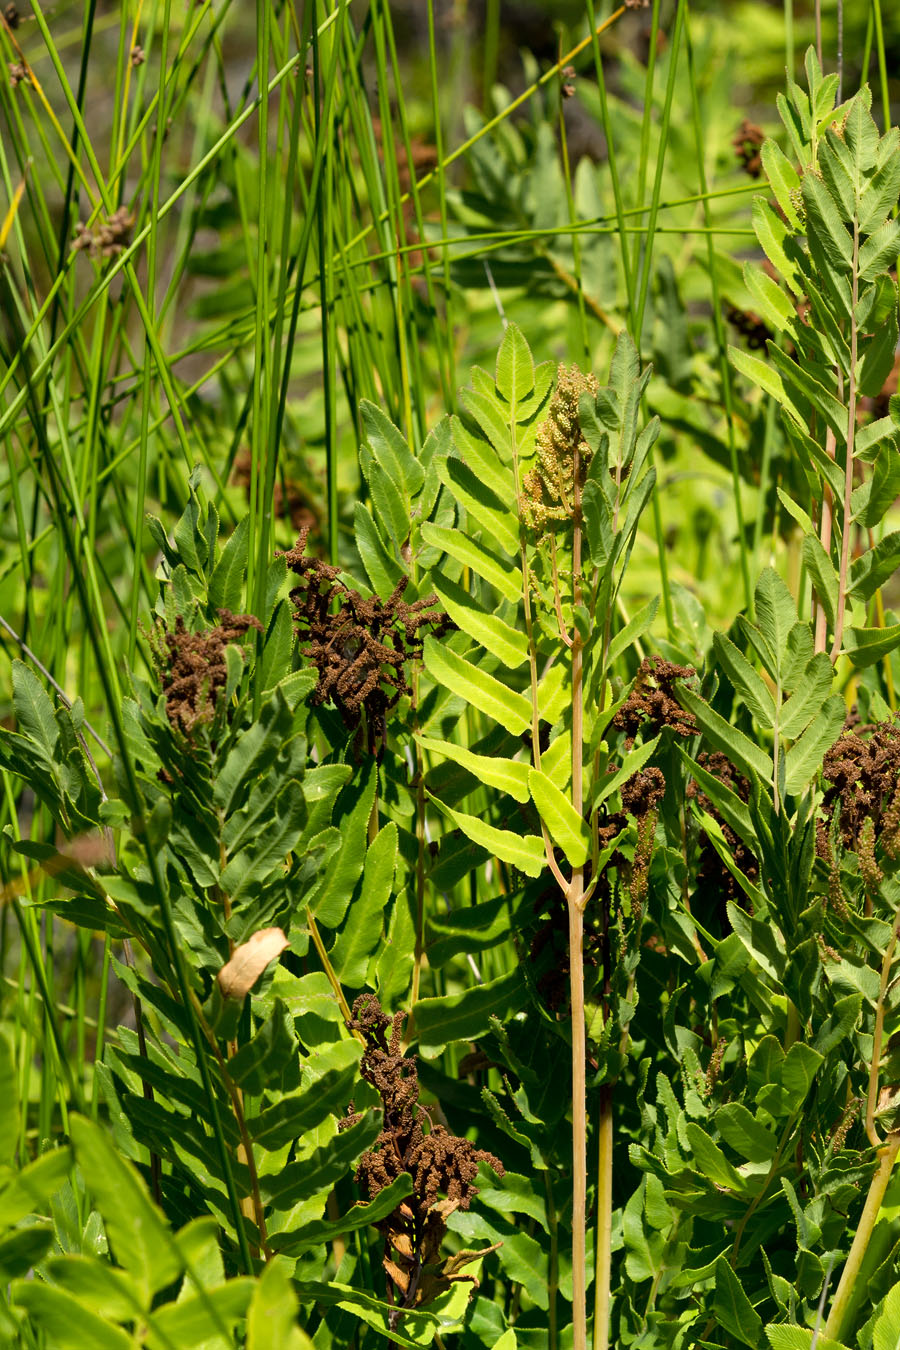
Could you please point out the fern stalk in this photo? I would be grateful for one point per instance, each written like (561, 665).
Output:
(878, 1035)
(851, 430)
(603, 1256)
(575, 899)
(835, 1324)
(553, 1283)
(825, 528)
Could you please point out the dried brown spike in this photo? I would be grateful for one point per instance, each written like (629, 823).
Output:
(863, 799)
(192, 666)
(108, 238)
(749, 325)
(713, 875)
(652, 703)
(715, 1064)
(360, 647)
(439, 1163)
(747, 143)
(839, 1138)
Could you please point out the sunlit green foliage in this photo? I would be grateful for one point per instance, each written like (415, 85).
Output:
(559, 752)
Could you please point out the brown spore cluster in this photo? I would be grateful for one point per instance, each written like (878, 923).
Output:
(109, 237)
(713, 875)
(359, 646)
(653, 702)
(641, 795)
(747, 143)
(443, 1167)
(750, 326)
(192, 666)
(861, 806)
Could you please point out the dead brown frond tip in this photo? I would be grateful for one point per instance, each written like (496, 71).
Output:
(193, 669)
(442, 1166)
(361, 647)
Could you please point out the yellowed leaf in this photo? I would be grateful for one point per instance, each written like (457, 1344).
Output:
(10, 217)
(238, 976)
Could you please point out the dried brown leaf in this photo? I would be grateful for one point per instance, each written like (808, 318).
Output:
(238, 976)
(464, 1258)
(400, 1277)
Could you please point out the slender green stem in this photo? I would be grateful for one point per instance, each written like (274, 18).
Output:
(724, 367)
(140, 495)
(329, 970)
(789, 36)
(878, 1035)
(879, 1184)
(656, 196)
(575, 899)
(576, 241)
(442, 202)
(553, 1272)
(882, 65)
(579, 1109)
(844, 572)
(419, 952)
(646, 123)
(603, 1253)
(508, 110)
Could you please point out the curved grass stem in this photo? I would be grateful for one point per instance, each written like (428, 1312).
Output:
(835, 1324)
(874, 1067)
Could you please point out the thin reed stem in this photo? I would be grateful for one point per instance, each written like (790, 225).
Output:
(849, 1275)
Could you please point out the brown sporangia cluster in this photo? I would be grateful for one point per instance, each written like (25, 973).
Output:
(713, 876)
(848, 1116)
(653, 704)
(749, 325)
(11, 15)
(443, 1167)
(18, 73)
(548, 490)
(108, 238)
(138, 56)
(641, 795)
(567, 75)
(714, 1068)
(288, 501)
(192, 666)
(861, 806)
(747, 144)
(360, 647)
